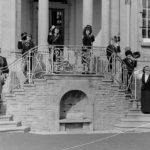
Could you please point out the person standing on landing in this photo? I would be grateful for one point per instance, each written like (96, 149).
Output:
(145, 90)
(88, 39)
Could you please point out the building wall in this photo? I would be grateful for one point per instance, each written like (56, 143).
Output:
(8, 27)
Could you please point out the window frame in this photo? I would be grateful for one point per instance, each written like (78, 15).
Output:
(146, 21)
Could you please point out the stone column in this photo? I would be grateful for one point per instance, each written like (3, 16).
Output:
(43, 21)
(87, 12)
(128, 9)
(105, 22)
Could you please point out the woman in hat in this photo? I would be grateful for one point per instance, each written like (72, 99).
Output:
(55, 38)
(88, 39)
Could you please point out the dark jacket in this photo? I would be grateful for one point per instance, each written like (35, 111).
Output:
(88, 40)
(25, 45)
(112, 49)
(130, 64)
(3, 65)
(55, 40)
(145, 85)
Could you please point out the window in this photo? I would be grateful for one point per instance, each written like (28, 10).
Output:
(146, 21)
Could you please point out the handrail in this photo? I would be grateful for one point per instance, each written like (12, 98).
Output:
(43, 61)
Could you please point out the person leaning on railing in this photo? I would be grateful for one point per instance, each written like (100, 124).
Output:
(25, 44)
(130, 63)
(112, 48)
(88, 39)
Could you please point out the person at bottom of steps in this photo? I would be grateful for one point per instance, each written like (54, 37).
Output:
(145, 90)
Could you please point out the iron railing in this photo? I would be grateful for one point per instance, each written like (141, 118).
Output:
(63, 59)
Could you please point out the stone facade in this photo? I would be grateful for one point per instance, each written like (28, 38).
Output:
(39, 105)
(109, 18)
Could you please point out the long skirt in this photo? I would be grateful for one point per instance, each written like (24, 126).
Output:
(145, 101)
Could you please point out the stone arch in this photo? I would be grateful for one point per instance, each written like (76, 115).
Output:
(87, 91)
(73, 105)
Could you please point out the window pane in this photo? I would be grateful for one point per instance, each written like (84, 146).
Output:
(144, 13)
(148, 33)
(144, 3)
(144, 23)
(149, 13)
(148, 3)
(144, 33)
(148, 23)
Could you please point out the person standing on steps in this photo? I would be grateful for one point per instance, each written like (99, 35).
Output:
(25, 44)
(145, 90)
(130, 63)
(113, 47)
(55, 38)
(88, 39)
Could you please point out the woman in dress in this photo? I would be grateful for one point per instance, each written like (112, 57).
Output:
(145, 90)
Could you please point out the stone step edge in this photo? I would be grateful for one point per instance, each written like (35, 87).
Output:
(135, 119)
(11, 129)
(10, 117)
(17, 123)
(144, 125)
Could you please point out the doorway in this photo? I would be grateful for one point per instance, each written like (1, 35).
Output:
(56, 17)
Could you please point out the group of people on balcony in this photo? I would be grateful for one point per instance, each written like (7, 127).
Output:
(55, 38)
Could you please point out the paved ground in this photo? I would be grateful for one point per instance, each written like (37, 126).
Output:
(125, 141)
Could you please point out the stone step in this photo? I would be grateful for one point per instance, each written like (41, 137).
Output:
(15, 129)
(6, 118)
(133, 125)
(135, 119)
(10, 124)
(133, 129)
(137, 114)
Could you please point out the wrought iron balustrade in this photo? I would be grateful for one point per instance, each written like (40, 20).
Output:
(62, 59)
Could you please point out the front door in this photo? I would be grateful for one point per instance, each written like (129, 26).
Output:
(56, 17)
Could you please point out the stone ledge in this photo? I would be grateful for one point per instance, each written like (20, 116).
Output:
(6, 117)
(75, 121)
(72, 76)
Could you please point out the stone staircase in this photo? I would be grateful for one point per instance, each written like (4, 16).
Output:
(134, 121)
(7, 124)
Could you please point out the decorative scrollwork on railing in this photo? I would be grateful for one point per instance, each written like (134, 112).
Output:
(63, 59)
